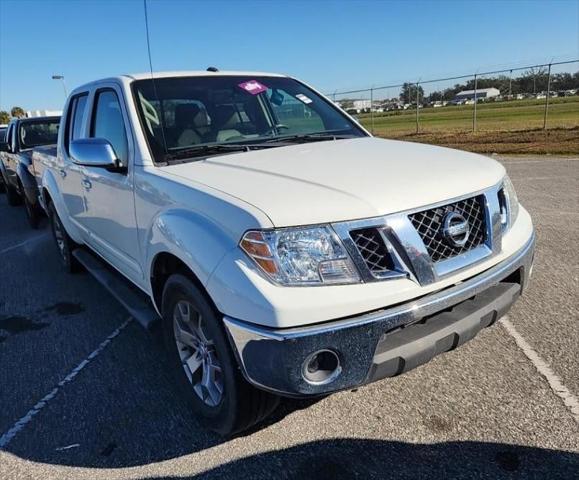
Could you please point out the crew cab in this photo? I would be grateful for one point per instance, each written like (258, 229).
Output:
(21, 137)
(285, 251)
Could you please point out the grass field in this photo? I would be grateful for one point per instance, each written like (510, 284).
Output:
(502, 127)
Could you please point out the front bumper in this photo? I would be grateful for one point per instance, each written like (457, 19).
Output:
(383, 343)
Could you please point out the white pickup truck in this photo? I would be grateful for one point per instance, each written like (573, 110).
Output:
(283, 249)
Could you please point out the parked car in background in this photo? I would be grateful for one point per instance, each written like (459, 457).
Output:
(285, 251)
(3, 129)
(22, 135)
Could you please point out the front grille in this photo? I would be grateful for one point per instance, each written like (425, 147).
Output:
(373, 250)
(428, 223)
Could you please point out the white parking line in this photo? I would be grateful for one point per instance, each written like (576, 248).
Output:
(22, 244)
(544, 369)
(8, 436)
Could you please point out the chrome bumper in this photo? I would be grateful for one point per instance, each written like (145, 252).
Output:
(272, 359)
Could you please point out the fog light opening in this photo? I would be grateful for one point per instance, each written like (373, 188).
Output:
(321, 367)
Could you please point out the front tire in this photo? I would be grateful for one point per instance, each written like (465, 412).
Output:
(203, 364)
(64, 244)
(33, 213)
(13, 197)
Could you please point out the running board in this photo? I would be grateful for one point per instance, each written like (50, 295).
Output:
(128, 295)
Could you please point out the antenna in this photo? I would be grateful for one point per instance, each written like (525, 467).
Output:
(153, 78)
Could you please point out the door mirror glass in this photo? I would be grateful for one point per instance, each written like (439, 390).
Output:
(94, 152)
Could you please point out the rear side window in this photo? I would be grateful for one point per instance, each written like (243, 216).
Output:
(75, 116)
(108, 123)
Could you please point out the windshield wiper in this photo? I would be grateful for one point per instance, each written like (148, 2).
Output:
(309, 137)
(205, 150)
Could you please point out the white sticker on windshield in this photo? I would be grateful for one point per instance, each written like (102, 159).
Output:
(303, 98)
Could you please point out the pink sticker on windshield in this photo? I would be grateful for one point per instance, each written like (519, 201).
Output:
(253, 87)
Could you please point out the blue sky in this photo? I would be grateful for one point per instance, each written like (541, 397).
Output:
(331, 45)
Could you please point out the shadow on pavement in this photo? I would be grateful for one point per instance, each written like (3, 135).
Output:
(352, 458)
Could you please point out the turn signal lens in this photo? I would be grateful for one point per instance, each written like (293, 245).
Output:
(255, 246)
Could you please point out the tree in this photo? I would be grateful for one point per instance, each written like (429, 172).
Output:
(534, 79)
(17, 112)
(4, 117)
(408, 93)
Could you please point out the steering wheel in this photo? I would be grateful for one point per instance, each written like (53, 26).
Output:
(276, 128)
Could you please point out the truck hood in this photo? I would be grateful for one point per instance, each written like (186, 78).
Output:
(341, 180)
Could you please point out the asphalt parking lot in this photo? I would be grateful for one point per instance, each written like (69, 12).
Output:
(84, 394)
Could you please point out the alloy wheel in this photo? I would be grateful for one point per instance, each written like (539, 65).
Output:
(198, 354)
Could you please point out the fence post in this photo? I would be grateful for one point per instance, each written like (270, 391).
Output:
(510, 85)
(372, 109)
(417, 97)
(475, 102)
(547, 98)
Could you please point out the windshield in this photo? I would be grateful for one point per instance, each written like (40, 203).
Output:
(183, 113)
(35, 133)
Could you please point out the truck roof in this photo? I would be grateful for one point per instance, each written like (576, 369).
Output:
(129, 77)
(199, 73)
(34, 119)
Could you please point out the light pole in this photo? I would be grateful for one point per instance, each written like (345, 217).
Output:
(61, 78)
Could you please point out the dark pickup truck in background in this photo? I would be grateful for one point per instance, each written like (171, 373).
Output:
(22, 135)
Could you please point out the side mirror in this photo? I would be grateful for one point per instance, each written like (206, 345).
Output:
(95, 152)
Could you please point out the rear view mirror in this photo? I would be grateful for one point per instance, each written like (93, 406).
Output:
(95, 152)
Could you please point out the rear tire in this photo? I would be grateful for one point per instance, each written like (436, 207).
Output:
(64, 244)
(204, 366)
(13, 197)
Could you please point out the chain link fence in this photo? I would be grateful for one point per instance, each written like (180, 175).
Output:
(520, 99)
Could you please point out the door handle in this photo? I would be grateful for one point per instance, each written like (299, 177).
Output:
(62, 173)
(87, 184)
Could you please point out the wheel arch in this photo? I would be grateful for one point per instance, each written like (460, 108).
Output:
(3, 171)
(180, 240)
(27, 183)
(165, 264)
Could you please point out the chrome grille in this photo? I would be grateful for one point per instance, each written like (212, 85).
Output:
(428, 224)
(373, 250)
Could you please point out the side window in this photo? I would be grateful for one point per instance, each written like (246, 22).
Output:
(74, 118)
(107, 123)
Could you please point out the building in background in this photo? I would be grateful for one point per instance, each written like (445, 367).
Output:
(43, 113)
(480, 94)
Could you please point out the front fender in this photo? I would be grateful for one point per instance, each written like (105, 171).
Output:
(188, 235)
(50, 186)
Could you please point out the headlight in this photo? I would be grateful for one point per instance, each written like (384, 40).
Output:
(301, 256)
(512, 200)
